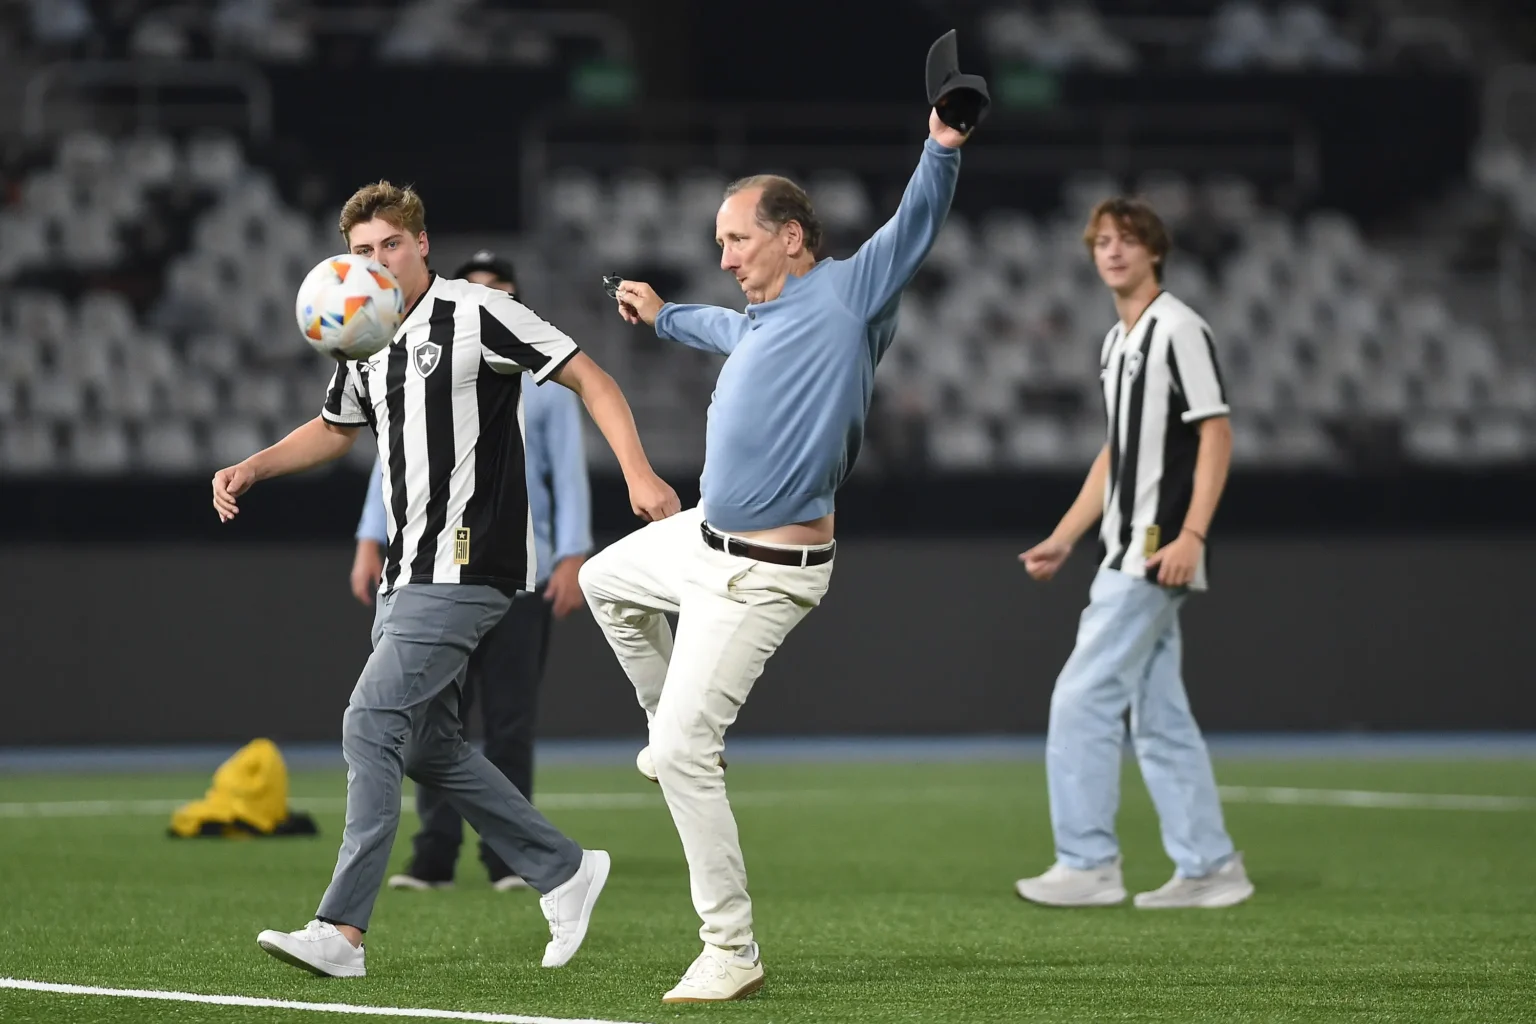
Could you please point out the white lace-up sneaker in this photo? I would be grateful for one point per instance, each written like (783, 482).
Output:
(719, 975)
(568, 908)
(318, 948)
(1227, 886)
(647, 767)
(1062, 886)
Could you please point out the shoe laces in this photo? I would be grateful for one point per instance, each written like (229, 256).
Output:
(550, 904)
(317, 930)
(709, 966)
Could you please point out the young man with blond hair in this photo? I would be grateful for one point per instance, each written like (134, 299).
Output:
(1155, 487)
(444, 402)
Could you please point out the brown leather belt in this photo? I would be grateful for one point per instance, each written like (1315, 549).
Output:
(760, 553)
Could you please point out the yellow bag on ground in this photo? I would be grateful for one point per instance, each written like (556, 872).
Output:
(249, 797)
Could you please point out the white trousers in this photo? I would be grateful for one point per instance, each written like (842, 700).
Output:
(733, 613)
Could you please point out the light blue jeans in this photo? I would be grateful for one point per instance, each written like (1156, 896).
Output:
(1127, 657)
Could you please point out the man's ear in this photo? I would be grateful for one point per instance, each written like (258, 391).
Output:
(794, 238)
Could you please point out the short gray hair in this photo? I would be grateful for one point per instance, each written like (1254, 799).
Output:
(782, 201)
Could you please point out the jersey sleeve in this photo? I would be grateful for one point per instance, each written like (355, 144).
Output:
(515, 339)
(1192, 358)
(343, 405)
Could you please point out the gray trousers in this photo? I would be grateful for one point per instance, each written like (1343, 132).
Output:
(403, 719)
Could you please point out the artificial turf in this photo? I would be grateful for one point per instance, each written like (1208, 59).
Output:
(882, 893)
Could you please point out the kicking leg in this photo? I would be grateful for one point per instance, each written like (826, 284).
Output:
(630, 586)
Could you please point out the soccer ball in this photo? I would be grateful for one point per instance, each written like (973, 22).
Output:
(349, 307)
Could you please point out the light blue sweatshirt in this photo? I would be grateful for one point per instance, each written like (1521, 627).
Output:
(559, 494)
(787, 418)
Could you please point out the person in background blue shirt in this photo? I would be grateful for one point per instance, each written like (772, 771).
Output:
(506, 669)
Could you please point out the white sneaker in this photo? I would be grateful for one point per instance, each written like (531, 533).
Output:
(1227, 886)
(568, 908)
(318, 948)
(719, 975)
(405, 881)
(1062, 886)
(506, 883)
(647, 767)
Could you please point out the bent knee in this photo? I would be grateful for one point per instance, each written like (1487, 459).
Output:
(675, 757)
(1085, 705)
(429, 762)
(593, 576)
(368, 731)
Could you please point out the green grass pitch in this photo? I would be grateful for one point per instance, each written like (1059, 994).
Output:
(883, 893)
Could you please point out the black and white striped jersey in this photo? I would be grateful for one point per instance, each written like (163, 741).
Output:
(1160, 380)
(444, 401)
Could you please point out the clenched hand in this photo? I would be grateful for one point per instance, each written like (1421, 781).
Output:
(943, 134)
(1176, 563)
(652, 498)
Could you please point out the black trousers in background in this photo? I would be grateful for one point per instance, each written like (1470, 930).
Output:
(504, 674)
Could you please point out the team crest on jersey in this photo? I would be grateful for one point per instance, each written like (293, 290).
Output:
(1132, 364)
(426, 356)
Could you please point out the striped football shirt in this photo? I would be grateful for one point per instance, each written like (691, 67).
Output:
(444, 402)
(1160, 380)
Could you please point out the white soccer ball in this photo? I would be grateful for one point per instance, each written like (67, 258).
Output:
(349, 306)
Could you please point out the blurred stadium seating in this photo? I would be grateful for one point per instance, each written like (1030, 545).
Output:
(146, 280)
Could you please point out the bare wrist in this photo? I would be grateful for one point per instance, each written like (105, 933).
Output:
(637, 473)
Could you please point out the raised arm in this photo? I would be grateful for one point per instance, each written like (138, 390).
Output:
(706, 328)
(876, 274)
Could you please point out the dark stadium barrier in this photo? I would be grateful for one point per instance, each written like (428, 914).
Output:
(196, 641)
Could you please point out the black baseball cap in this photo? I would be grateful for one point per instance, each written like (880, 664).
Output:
(485, 259)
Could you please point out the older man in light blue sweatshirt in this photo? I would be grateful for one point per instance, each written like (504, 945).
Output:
(742, 569)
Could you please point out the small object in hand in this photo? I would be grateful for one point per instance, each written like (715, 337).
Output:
(960, 100)
(611, 284)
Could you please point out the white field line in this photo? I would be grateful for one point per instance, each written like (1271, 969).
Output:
(1373, 798)
(155, 808)
(545, 801)
(1281, 795)
(289, 1004)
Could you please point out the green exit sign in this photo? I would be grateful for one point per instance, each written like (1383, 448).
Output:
(1020, 86)
(603, 83)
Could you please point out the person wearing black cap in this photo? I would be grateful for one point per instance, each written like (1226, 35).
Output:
(506, 669)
